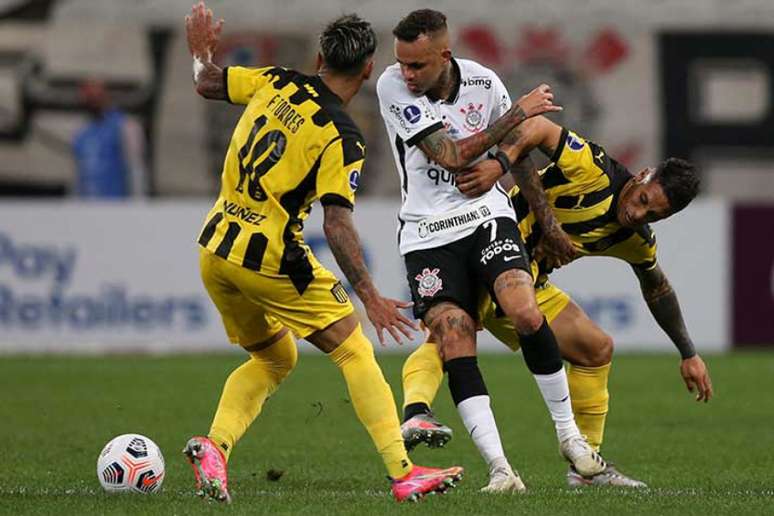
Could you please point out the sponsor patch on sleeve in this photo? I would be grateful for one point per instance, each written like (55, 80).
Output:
(354, 179)
(412, 113)
(574, 142)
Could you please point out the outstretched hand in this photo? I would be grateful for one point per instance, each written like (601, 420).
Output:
(201, 33)
(538, 101)
(384, 314)
(556, 248)
(696, 376)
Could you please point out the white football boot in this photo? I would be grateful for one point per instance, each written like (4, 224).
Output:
(610, 476)
(503, 479)
(582, 456)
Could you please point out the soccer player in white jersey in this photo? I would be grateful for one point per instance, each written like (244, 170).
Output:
(442, 115)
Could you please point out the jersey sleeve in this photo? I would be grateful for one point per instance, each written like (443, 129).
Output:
(340, 168)
(639, 250)
(501, 100)
(577, 156)
(242, 83)
(410, 116)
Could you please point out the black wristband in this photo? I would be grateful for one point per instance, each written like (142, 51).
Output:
(504, 161)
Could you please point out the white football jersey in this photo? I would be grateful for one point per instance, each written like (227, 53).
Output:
(434, 212)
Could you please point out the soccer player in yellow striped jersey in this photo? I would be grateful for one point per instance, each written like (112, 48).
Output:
(294, 144)
(606, 211)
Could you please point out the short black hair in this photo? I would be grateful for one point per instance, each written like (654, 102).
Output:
(347, 43)
(416, 23)
(680, 181)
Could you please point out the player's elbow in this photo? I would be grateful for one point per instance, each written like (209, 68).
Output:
(453, 165)
(459, 165)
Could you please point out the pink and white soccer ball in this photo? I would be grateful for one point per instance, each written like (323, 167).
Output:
(131, 463)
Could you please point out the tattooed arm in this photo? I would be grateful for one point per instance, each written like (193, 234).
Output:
(455, 155)
(555, 246)
(663, 304)
(535, 132)
(344, 242)
(203, 36)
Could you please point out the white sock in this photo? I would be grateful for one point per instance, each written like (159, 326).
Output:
(556, 394)
(479, 420)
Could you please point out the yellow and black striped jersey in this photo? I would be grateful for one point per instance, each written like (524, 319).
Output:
(292, 145)
(582, 185)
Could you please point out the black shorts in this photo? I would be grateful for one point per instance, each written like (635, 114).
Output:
(457, 271)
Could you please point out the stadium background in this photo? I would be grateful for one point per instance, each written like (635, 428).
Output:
(672, 79)
(119, 280)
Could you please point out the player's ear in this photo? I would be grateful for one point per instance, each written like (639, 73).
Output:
(368, 69)
(318, 62)
(446, 54)
(642, 175)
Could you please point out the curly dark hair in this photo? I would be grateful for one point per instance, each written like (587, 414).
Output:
(416, 23)
(680, 181)
(347, 43)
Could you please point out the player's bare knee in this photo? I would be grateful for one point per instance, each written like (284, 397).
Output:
(604, 354)
(596, 353)
(527, 319)
(516, 296)
(453, 330)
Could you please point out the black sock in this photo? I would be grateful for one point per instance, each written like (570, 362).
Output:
(540, 350)
(465, 380)
(415, 409)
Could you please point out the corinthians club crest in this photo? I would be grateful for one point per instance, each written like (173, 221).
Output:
(429, 282)
(473, 116)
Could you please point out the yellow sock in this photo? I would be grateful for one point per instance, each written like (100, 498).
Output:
(247, 388)
(422, 375)
(588, 390)
(372, 399)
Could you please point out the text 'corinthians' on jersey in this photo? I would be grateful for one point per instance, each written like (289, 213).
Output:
(434, 212)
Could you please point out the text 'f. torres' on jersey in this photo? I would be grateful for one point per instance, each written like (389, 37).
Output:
(292, 145)
(433, 211)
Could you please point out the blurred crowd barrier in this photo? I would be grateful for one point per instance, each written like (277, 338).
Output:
(104, 277)
(646, 80)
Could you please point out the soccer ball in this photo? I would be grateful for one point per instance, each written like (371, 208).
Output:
(130, 462)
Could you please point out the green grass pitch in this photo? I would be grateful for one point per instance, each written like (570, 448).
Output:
(56, 414)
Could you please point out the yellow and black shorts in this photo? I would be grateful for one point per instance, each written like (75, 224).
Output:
(551, 301)
(255, 306)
